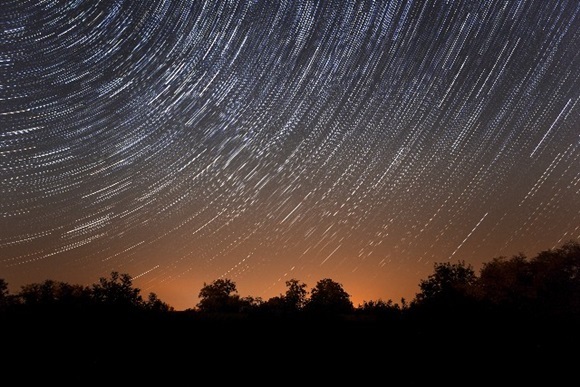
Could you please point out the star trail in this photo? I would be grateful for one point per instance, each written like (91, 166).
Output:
(363, 141)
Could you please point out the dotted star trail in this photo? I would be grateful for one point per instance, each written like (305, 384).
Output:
(363, 141)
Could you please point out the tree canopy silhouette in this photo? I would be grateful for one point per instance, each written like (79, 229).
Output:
(55, 294)
(117, 292)
(5, 297)
(547, 285)
(292, 301)
(449, 286)
(219, 296)
(329, 296)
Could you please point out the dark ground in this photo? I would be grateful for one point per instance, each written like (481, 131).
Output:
(179, 349)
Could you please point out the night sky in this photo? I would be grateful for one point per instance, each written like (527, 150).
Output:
(185, 141)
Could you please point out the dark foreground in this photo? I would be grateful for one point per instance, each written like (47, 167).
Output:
(179, 349)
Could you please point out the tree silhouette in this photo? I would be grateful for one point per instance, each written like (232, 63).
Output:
(6, 299)
(381, 309)
(547, 284)
(250, 304)
(296, 295)
(450, 287)
(556, 278)
(507, 283)
(55, 294)
(447, 279)
(154, 304)
(292, 301)
(220, 296)
(329, 296)
(117, 292)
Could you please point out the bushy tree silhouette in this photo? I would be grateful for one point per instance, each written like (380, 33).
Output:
(329, 297)
(292, 301)
(117, 292)
(507, 283)
(547, 284)
(154, 304)
(556, 276)
(296, 295)
(55, 295)
(220, 296)
(381, 309)
(450, 286)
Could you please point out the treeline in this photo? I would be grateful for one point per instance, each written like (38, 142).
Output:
(544, 286)
(114, 294)
(516, 321)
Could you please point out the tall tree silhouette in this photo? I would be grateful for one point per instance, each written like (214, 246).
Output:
(296, 295)
(6, 300)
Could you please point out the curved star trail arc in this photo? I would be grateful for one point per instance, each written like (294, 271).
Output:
(181, 142)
